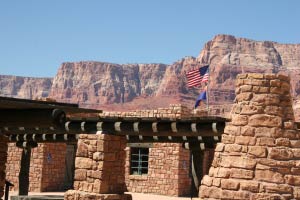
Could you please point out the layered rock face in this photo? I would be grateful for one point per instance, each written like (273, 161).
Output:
(258, 157)
(122, 87)
(229, 56)
(133, 86)
(24, 87)
(138, 86)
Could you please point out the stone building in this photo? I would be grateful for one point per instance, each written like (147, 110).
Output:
(158, 168)
(257, 158)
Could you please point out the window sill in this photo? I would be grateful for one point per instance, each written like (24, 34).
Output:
(139, 177)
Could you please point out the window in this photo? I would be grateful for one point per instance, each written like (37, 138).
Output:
(139, 161)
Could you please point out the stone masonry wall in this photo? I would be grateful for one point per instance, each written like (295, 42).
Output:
(168, 171)
(258, 157)
(3, 157)
(53, 167)
(175, 111)
(99, 168)
(91, 167)
(46, 167)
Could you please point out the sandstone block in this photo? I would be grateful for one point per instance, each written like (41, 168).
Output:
(274, 110)
(276, 90)
(275, 83)
(222, 172)
(292, 180)
(216, 182)
(245, 96)
(209, 192)
(258, 151)
(265, 132)
(83, 163)
(247, 131)
(97, 156)
(255, 76)
(259, 90)
(265, 141)
(269, 176)
(245, 140)
(241, 76)
(245, 88)
(276, 188)
(270, 76)
(233, 148)
(291, 134)
(251, 109)
(80, 175)
(295, 143)
(219, 147)
(276, 163)
(232, 130)
(96, 174)
(241, 173)
(265, 120)
(282, 142)
(82, 149)
(207, 180)
(239, 120)
(230, 184)
(296, 153)
(228, 139)
(238, 162)
(280, 153)
(229, 194)
(296, 192)
(295, 171)
(289, 125)
(267, 196)
(266, 99)
(256, 82)
(251, 186)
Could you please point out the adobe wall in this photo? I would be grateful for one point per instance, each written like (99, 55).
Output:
(259, 155)
(3, 156)
(47, 167)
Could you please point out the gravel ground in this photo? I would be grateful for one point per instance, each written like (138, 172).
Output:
(135, 196)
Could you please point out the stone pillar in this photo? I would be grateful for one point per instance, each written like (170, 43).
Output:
(259, 156)
(99, 168)
(3, 157)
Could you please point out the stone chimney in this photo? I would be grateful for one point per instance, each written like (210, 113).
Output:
(259, 156)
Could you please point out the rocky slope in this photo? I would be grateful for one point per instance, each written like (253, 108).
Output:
(24, 87)
(139, 86)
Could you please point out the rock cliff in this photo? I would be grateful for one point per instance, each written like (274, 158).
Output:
(24, 87)
(143, 86)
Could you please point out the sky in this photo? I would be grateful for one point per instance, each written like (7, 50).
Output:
(37, 36)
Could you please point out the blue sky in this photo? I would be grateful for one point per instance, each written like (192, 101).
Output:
(37, 36)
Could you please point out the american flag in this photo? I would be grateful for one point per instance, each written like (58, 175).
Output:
(197, 76)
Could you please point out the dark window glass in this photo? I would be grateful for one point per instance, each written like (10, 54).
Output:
(139, 161)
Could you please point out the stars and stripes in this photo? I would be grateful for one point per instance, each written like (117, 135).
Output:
(197, 76)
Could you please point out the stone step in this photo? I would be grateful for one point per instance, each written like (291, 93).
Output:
(38, 197)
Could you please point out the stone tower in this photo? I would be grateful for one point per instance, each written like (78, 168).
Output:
(259, 156)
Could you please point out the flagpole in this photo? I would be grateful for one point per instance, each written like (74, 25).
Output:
(207, 92)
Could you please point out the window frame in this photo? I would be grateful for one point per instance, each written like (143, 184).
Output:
(139, 161)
